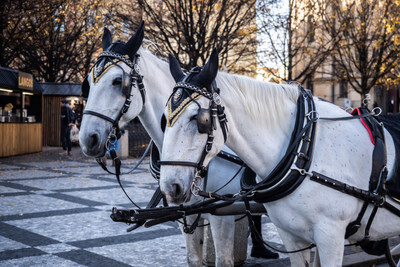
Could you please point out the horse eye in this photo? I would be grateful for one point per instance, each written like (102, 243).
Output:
(117, 81)
(194, 117)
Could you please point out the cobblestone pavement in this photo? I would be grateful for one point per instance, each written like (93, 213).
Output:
(54, 211)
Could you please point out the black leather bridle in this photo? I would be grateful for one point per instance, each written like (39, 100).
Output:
(128, 80)
(115, 133)
(206, 123)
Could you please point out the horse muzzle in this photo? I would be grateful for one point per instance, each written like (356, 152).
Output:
(92, 144)
(176, 195)
(176, 190)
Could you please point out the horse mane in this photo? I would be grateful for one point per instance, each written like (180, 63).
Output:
(258, 98)
(153, 57)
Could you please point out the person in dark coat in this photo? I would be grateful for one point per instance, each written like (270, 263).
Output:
(67, 120)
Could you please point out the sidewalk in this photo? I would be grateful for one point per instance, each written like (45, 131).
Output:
(54, 211)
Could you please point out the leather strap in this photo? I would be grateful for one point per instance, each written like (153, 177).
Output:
(94, 113)
(179, 163)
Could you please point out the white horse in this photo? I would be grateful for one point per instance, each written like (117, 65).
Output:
(105, 97)
(260, 120)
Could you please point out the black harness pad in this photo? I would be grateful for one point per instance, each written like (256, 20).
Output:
(392, 124)
(248, 178)
(154, 159)
(377, 248)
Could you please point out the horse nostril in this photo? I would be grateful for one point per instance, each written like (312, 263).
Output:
(93, 140)
(177, 190)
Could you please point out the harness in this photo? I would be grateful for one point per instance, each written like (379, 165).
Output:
(287, 175)
(126, 87)
(128, 80)
(206, 121)
(295, 164)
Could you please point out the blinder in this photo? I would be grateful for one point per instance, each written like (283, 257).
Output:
(126, 83)
(204, 122)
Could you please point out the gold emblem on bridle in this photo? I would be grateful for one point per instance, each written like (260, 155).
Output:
(175, 111)
(98, 71)
(177, 95)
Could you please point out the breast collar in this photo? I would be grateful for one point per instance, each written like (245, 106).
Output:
(287, 175)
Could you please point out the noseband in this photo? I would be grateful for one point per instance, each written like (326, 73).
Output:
(126, 87)
(206, 123)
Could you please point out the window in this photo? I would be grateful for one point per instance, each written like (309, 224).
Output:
(343, 89)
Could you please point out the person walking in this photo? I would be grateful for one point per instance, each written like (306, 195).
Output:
(67, 120)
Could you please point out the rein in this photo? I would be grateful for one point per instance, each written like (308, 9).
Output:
(295, 163)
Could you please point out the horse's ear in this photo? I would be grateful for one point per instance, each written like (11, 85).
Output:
(175, 68)
(210, 70)
(133, 45)
(107, 39)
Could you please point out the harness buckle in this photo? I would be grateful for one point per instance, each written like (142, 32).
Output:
(216, 99)
(349, 109)
(196, 184)
(367, 99)
(112, 138)
(126, 105)
(377, 111)
(136, 68)
(302, 171)
(316, 116)
(209, 144)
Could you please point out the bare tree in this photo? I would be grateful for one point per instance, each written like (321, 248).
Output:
(55, 40)
(190, 29)
(11, 29)
(368, 51)
(293, 43)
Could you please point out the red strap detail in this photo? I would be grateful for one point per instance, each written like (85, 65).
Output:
(365, 125)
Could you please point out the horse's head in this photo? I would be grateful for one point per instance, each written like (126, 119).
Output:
(112, 91)
(194, 119)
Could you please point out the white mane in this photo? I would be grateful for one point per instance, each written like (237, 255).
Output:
(152, 57)
(259, 99)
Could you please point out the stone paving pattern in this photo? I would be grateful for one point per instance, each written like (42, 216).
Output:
(54, 211)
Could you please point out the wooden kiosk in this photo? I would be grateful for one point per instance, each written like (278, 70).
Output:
(20, 113)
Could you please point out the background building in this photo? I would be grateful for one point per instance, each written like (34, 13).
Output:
(20, 113)
(361, 40)
(53, 93)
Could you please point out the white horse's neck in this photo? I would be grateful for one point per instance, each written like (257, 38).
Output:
(158, 84)
(261, 117)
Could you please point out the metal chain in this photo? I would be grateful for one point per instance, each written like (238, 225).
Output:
(194, 88)
(117, 56)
